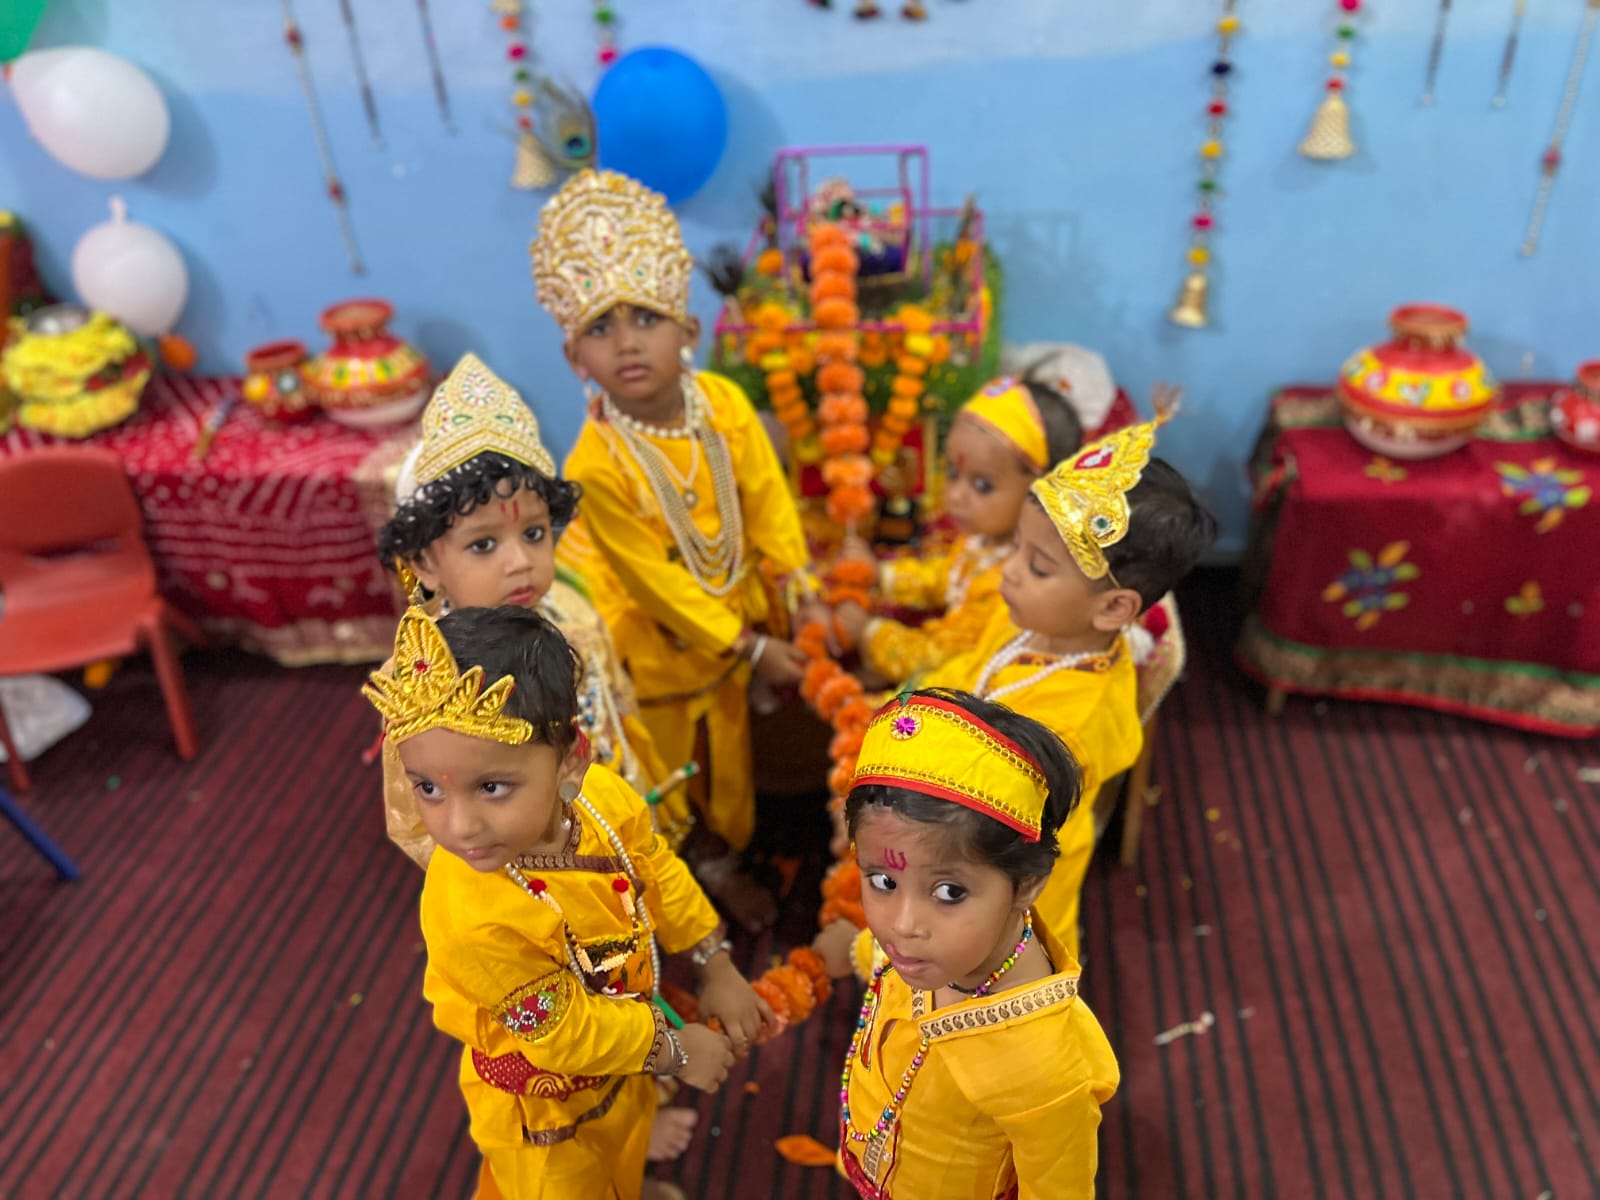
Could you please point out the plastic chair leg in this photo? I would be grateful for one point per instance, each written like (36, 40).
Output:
(35, 837)
(169, 671)
(15, 767)
(1138, 796)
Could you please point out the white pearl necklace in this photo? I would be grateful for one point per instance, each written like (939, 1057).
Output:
(1009, 653)
(716, 562)
(640, 914)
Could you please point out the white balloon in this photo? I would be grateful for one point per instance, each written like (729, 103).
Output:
(132, 272)
(94, 112)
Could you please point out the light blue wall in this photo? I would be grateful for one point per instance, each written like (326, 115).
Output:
(1075, 124)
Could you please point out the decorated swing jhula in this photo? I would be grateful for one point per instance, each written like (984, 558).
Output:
(861, 318)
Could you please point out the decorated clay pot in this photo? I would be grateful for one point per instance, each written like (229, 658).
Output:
(275, 381)
(368, 377)
(1575, 411)
(1420, 395)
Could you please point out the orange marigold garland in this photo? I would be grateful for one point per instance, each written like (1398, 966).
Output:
(841, 408)
(787, 400)
(910, 381)
(794, 989)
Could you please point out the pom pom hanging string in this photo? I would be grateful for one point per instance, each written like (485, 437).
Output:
(1550, 163)
(1508, 58)
(359, 61)
(431, 45)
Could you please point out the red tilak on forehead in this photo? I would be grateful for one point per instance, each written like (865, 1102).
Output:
(895, 858)
(512, 509)
(960, 460)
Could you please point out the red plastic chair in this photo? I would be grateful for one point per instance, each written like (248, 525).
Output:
(76, 582)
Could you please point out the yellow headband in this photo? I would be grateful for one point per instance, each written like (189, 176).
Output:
(1006, 409)
(604, 240)
(939, 749)
(473, 412)
(1086, 496)
(427, 690)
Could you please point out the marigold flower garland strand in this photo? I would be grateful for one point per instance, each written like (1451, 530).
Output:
(910, 381)
(841, 407)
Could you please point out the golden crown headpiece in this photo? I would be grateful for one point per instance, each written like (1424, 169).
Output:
(1005, 407)
(473, 412)
(428, 691)
(604, 240)
(933, 746)
(1086, 496)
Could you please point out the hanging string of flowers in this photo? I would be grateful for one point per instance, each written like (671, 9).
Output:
(794, 989)
(841, 408)
(910, 381)
(787, 400)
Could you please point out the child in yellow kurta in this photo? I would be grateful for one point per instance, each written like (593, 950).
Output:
(1104, 536)
(479, 506)
(976, 1070)
(684, 500)
(545, 911)
(1002, 440)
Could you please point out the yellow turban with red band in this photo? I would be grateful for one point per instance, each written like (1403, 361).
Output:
(930, 745)
(1006, 409)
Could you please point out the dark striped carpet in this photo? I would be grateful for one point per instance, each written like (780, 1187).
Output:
(1390, 918)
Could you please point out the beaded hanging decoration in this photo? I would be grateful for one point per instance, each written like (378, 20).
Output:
(1329, 138)
(319, 132)
(554, 125)
(605, 25)
(1550, 163)
(1508, 56)
(441, 94)
(359, 62)
(1435, 53)
(1203, 221)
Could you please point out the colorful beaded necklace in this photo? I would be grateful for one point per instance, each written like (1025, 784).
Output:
(864, 1020)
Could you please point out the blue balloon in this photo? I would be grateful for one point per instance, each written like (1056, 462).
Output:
(660, 119)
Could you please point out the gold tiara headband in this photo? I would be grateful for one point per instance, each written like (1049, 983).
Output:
(929, 745)
(428, 691)
(1086, 496)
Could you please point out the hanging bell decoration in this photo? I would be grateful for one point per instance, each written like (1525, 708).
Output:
(1190, 310)
(1329, 138)
(534, 170)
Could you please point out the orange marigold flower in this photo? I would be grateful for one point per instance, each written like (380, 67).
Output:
(809, 963)
(845, 439)
(775, 997)
(874, 352)
(841, 408)
(832, 286)
(812, 640)
(910, 364)
(834, 260)
(845, 743)
(851, 469)
(915, 320)
(771, 317)
(796, 989)
(857, 714)
(769, 262)
(904, 406)
(836, 314)
(827, 234)
(847, 506)
(853, 571)
(818, 672)
(840, 779)
(840, 347)
(833, 695)
(782, 380)
(840, 377)
(907, 385)
(941, 349)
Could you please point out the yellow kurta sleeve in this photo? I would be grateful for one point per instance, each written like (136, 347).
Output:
(517, 978)
(898, 652)
(1055, 1145)
(917, 583)
(771, 520)
(682, 914)
(641, 558)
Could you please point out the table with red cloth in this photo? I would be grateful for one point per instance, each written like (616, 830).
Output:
(268, 541)
(1468, 583)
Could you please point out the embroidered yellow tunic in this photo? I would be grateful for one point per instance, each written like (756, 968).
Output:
(1095, 712)
(964, 584)
(553, 1069)
(1006, 1102)
(675, 638)
(610, 717)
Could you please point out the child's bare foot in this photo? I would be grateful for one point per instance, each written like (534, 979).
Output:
(671, 1133)
(660, 1189)
(744, 900)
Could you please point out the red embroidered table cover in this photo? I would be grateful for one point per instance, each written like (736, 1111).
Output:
(1468, 583)
(267, 540)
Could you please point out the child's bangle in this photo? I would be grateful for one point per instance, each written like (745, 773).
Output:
(758, 649)
(709, 949)
(680, 1060)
